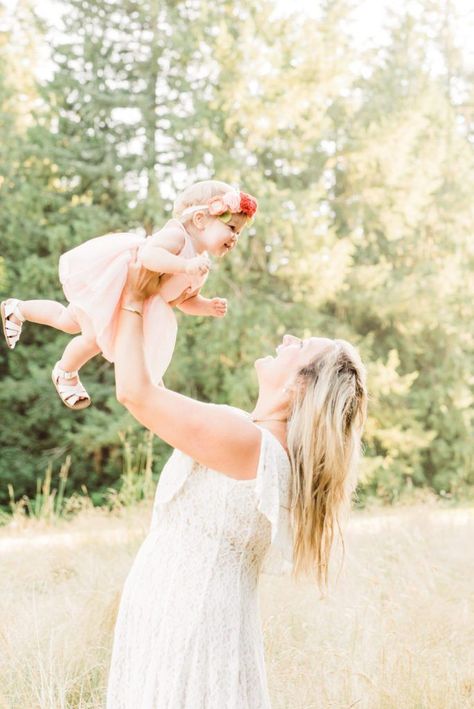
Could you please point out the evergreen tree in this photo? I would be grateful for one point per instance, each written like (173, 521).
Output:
(363, 166)
(411, 213)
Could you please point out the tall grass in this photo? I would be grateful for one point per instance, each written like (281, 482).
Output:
(51, 505)
(136, 481)
(395, 633)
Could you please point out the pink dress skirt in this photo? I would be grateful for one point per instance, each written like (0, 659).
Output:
(93, 276)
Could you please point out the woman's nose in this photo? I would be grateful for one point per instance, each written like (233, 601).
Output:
(288, 339)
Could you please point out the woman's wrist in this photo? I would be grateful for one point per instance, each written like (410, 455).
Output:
(132, 302)
(131, 308)
(130, 295)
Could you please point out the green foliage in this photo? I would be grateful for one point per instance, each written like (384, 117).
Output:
(137, 480)
(363, 164)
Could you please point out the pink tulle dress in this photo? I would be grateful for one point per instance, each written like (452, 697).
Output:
(93, 276)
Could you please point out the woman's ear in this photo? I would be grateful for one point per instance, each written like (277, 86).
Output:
(293, 386)
(289, 394)
(290, 387)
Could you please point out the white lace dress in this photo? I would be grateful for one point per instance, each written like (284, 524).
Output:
(188, 632)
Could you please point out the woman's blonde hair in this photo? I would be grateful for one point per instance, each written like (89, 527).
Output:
(198, 193)
(324, 443)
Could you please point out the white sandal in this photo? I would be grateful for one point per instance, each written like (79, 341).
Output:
(74, 396)
(11, 330)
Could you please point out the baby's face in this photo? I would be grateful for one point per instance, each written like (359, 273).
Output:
(221, 237)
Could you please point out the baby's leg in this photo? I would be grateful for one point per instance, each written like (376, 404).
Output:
(49, 312)
(14, 312)
(79, 350)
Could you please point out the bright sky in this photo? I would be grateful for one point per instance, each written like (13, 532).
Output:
(368, 21)
(370, 16)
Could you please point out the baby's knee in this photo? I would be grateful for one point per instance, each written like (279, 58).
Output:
(67, 323)
(90, 343)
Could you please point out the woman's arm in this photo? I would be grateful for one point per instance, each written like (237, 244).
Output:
(215, 436)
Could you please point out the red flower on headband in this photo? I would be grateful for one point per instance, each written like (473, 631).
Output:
(248, 205)
(232, 202)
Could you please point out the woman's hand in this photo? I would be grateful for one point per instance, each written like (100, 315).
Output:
(132, 294)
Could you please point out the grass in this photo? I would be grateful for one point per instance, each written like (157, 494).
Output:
(395, 632)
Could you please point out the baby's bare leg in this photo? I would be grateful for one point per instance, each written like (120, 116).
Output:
(79, 350)
(50, 312)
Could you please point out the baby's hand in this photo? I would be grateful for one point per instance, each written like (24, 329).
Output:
(218, 307)
(198, 266)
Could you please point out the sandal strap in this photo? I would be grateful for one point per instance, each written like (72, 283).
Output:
(71, 388)
(12, 327)
(11, 308)
(72, 394)
(58, 372)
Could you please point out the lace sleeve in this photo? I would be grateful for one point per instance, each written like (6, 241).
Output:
(172, 478)
(273, 491)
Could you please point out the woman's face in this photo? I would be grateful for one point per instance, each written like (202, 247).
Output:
(292, 354)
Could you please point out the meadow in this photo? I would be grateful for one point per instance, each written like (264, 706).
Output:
(360, 150)
(395, 631)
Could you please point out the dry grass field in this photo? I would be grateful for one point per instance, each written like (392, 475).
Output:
(396, 631)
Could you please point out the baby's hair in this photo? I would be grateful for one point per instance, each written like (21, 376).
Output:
(198, 193)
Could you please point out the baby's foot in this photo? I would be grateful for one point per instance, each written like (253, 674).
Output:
(12, 321)
(67, 381)
(69, 387)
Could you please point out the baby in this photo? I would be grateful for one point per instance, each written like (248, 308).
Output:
(208, 219)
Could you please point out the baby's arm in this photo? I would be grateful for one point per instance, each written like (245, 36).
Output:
(197, 305)
(159, 254)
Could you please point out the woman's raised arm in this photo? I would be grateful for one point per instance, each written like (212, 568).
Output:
(213, 435)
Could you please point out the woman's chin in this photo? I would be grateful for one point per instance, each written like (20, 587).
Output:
(262, 360)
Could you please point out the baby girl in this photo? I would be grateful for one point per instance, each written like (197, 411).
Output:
(208, 219)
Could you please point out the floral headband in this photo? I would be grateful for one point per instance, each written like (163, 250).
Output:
(227, 204)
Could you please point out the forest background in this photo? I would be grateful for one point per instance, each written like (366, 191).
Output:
(362, 159)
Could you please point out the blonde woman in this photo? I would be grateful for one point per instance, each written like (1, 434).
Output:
(240, 494)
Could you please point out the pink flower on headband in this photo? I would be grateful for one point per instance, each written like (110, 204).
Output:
(233, 202)
(216, 206)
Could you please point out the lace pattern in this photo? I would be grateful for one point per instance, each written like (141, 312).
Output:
(188, 632)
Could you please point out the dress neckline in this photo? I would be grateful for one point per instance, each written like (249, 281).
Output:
(275, 438)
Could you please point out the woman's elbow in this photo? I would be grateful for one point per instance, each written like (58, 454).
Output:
(127, 395)
(129, 390)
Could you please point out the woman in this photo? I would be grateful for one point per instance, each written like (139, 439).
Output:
(240, 494)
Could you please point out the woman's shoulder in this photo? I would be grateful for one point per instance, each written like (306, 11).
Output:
(270, 438)
(239, 412)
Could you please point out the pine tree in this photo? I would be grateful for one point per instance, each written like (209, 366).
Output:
(363, 167)
(406, 292)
